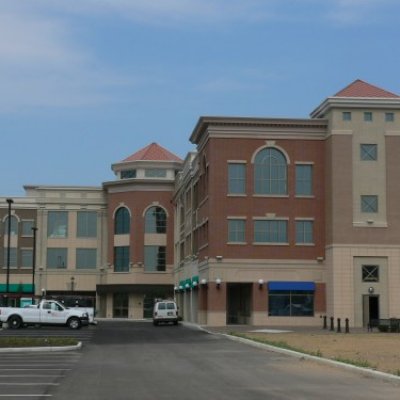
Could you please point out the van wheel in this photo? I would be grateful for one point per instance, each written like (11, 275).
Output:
(155, 323)
(15, 322)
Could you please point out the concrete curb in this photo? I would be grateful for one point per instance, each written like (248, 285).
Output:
(365, 371)
(40, 349)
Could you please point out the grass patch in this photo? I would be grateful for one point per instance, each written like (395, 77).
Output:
(357, 363)
(278, 343)
(283, 345)
(36, 342)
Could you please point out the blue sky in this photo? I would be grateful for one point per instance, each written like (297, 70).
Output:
(86, 83)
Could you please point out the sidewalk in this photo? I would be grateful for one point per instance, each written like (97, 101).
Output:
(280, 329)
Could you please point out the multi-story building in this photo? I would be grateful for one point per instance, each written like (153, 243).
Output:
(110, 245)
(70, 241)
(140, 234)
(282, 221)
(269, 222)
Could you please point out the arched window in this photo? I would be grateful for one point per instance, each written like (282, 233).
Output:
(155, 220)
(122, 221)
(270, 172)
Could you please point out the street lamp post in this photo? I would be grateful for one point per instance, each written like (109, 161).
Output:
(9, 201)
(34, 230)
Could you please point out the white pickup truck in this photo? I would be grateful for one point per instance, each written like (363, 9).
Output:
(47, 312)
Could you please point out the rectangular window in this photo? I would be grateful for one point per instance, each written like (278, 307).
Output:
(291, 303)
(304, 179)
(236, 230)
(346, 116)
(26, 258)
(369, 152)
(389, 117)
(87, 224)
(368, 116)
(369, 204)
(121, 259)
(304, 232)
(270, 231)
(57, 224)
(13, 226)
(236, 178)
(86, 258)
(154, 258)
(155, 173)
(370, 273)
(27, 228)
(57, 258)
(128, 173)
(13, 257)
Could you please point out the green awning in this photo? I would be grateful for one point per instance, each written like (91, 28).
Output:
(195, 281)
(16, 288)
(188, 284)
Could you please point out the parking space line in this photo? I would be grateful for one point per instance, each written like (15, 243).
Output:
(29, 384)
(31, 376)
(35, 369)
(26, 395)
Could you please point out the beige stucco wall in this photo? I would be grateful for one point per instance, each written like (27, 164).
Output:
(345, 287)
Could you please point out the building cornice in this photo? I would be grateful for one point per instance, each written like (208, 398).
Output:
(354, 103)
(258, 128)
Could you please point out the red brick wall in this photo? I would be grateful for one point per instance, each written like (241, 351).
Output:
(137, 202)
(220, 206)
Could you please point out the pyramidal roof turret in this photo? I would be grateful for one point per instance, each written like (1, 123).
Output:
(152, 152)
(151, 163)
(359, 88)
(358, 94)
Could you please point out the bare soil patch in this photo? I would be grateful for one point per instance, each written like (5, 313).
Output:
(380, 351)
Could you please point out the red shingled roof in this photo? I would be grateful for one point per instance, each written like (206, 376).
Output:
(360, 88)
(152, 152)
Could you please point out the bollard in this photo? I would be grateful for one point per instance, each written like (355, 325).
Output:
(332, 324)
(347, 325)
(325, 323)
(338, 326)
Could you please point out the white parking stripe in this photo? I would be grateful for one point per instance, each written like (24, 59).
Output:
(31, 376)
(29, 384)
(26, 395)
(35, 369)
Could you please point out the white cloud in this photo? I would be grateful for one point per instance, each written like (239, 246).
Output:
(42, 65)
(168, 12)
(240, 80)
(358, 11)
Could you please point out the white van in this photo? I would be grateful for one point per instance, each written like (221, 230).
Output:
(165, 311)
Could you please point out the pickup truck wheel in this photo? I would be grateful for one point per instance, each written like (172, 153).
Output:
(74, 323)
(15, 322)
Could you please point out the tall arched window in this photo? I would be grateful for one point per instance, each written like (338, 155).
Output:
(122, 221)
(155, 220)
(270, 172)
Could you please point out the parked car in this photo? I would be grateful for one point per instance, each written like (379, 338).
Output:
(165, 311)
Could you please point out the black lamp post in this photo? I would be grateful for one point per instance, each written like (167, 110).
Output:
(34, 230)
(9, 201)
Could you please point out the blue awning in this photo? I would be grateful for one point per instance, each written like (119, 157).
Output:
(301, 286)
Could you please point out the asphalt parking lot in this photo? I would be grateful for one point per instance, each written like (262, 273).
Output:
(32, 375)
(134, 359)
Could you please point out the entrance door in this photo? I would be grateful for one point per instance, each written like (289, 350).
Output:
(370, 308)
(238, 303)
(148, 305)
(120, 305)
